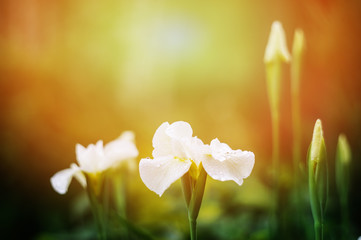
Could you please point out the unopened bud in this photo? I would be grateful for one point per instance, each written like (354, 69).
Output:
(277, 47)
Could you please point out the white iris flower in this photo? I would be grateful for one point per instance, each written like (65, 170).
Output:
(177, 152)
(95, 159)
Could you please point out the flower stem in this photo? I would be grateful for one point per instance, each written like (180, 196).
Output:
(96, 207)
(296, 116)
(345, 218)
(193, 191)
(298, 49)
(318, 230)
(105, 206)
(98, 216)
(296, 129)
(275, 149)
(119, 193)
(316, 210)
(276, 215)
(119, 188)
(193, 228)
(343, 163)
(274, 75)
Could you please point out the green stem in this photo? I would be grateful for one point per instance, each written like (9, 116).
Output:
(318, 230)
(276, 215)
(119, 193)
(345, 218)
(120, 198)
(193, 228)
(96, 207)
(296, 116)
(106, 195)
(97, 213)
(296, 125)
(316, 208)
(275, 149)
(273, 75)
(193, 191)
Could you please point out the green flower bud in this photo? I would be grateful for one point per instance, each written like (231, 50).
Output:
(318, 177)
(299, 44)
(343, 161)
(276, 53)
(298, 48)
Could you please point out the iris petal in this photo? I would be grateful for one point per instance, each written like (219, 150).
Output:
(122, 148)
(159, 173)
(225, 164)
(61, 180)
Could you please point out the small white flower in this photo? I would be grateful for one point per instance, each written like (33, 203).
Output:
(176, 152)
(121, 149)
(95, 159)
(277, 46)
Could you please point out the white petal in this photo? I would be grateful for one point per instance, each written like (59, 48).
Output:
(225, 164)
(196, 150)
(159, 173)
(179, 130)
(61, 180)
(79, 174)
(79, 151)
(91, 159)
(219, 150)
(81, 154)
(98, 146)
(123, 148)
(172, 140)
(180, 134)
(161, 141)
(128, 136)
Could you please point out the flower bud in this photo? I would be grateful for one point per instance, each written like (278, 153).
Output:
(298, 48)
(343, 150)
(277, 47)
(299, 43)
(318, 173)
(317, 148)
(343, 160)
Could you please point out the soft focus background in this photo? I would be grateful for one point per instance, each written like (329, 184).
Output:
(78, 71)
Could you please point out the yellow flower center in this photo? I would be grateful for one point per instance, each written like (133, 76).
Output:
(194, 170)
(95, 181)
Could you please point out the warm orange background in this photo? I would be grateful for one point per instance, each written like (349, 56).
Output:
(78, 71)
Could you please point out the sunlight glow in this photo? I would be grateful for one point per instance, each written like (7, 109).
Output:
(175, 38)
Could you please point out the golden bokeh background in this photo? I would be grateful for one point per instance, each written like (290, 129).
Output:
(78, 71)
